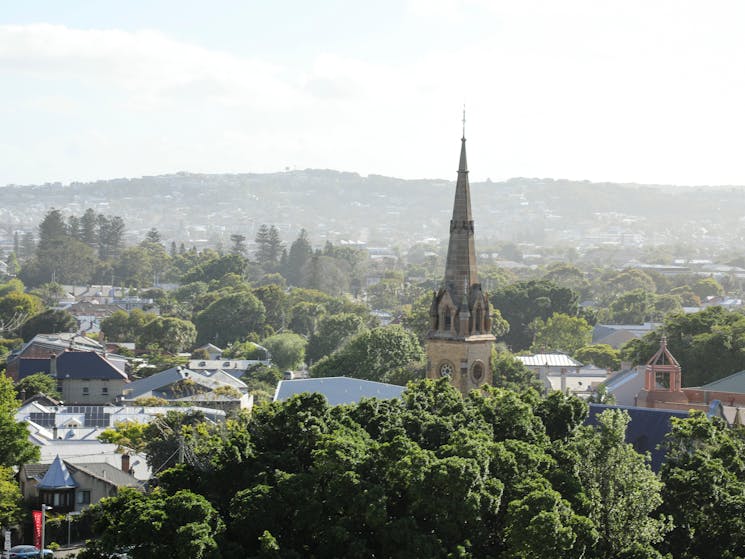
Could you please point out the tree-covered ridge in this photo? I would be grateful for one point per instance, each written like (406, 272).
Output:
(434, 474)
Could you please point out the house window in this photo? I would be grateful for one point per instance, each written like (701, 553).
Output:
(105, 391)
(84, 497)
(85, 391)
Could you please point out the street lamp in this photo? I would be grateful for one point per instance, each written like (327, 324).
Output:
(44, 509)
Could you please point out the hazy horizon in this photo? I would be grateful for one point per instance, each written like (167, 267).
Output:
(624, 92)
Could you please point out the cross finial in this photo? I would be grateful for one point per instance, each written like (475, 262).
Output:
(464, 121)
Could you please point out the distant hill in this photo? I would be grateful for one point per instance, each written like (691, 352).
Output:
(207, 208)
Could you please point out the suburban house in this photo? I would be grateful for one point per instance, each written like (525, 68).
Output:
(42, 346)
(90, 315)
(83, 377)
(72, 487)
(615, 335)
(213, 352)
(338, 390)
(558, 371)
(235, 367)
(217, 389)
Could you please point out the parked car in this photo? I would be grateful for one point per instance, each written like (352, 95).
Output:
(28, 551)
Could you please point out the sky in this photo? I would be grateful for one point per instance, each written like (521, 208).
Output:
(600, 90)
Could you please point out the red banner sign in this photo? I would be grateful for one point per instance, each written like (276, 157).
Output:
(37, 527)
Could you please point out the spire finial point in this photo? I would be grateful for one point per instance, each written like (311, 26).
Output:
(464, 122)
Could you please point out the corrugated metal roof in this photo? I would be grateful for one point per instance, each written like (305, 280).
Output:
(734, 383)
(548, 360)
(338, 390)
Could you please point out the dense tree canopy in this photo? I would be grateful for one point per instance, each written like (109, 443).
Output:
(433, 474)
(378, 354)
(523, 302)
(230, 318)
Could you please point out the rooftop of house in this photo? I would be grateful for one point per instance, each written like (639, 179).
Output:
(72, 365)
(734, 383)
(158, 382)
(549, 360)
(338, 390)
(61, 474)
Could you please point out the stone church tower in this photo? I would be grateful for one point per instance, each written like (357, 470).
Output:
(459, 341)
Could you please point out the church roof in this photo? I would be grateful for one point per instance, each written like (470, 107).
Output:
(57, 477)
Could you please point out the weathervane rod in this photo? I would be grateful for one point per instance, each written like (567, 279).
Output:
(464, 121)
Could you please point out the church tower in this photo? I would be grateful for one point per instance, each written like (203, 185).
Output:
(459, 341)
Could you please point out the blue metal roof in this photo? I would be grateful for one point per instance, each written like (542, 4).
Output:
(73, 365)
(338, 390)
(646, 430)
(57, 477)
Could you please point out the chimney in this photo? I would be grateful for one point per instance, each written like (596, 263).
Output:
(53, 366)
(55, 433)
(125, 463)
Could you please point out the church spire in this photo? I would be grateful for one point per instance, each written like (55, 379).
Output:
(460, 267)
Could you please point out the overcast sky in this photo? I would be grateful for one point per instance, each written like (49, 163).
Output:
(638, 91)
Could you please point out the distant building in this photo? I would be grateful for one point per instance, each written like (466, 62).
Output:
(615, 335)
(559, 371)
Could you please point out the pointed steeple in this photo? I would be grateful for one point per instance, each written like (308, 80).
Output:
(460, 267)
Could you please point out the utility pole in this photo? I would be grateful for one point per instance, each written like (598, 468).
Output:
(44, 509)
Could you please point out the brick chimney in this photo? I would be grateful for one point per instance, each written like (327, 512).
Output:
(53, 365)
(125, 463)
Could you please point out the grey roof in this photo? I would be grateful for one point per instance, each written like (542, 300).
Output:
(107, 472)
(57, 476)
(734, 383)
(338, 390)
(548, 359)
(157, 384)
(146, 385)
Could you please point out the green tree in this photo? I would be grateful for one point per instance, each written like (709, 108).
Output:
(331, 334)
(287, 350)
(510, 373)
(10, 497)
(38, 383)
(600, 355)
(561, 332)
(239, 244)
(155, 525)
(522, 303)
(707, 287)
(276, 303)
(704, 488)
(230, 318)
(632, 307)
(17, 305)
(16, 448)
(48, 322)
(372, 355)
(124, 326)
(300, 253)
(172, 335)
(624, 493)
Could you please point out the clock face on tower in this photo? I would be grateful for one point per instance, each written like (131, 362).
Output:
(446, 370)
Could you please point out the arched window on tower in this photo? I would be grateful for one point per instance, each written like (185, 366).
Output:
(478, 322)
(448, 320)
